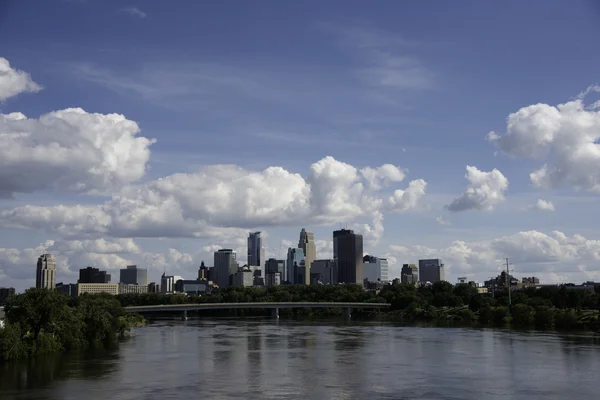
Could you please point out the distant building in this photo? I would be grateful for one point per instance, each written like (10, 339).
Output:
(93, 275)
(225, 265)
(307, 244)
(93, 288)
(348, 253)
(45, 277)
(375, 269)
(256, 252)
(203, 272)
(275, 266)
(125, 288)
(431, 270)
(132, 275)
(272, 279)
(244, 277)
(153, 287)
(70, 289)
(295, 258)
(5, 292)
(530, 281)
(191, 287)
(409, 273)
(462, 280)
(324, 271)
(167, 283)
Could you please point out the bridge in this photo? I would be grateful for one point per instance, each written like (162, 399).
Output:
(273, 306)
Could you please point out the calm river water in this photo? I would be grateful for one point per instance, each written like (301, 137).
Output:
(267, 359)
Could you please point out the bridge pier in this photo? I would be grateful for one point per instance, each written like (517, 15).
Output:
(275, 313)
(184, 317)
(347, 313)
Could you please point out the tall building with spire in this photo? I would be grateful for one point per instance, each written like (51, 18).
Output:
(307, 244)
(256, 252)
(45, 277)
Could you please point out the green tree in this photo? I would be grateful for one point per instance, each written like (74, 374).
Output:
(522, 314)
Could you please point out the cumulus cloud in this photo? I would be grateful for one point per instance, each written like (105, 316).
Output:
(485, 191)
(70, 150)
(547, 256)
(220, 201)
(14, 82)
(383, 176)
(541, 205)
(565, 137)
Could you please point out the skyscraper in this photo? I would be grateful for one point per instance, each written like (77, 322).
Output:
(256, 252)
(45, 277)
(93, 275)
(431, 270)
(132, 275)
(348, 252)
(307, 244)
(375, 269)
(409, 273)
(225, 265)
(295, 258)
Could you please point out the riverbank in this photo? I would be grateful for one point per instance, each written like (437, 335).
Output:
(45, 321)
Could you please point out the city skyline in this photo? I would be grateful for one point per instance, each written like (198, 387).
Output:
(394, 121)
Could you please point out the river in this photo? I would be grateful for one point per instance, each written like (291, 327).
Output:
(269, 359)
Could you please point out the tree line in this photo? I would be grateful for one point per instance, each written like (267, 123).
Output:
(42, 321)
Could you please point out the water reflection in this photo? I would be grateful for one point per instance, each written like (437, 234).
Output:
(258, 359)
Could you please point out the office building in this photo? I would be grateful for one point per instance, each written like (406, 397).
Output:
(375, 269)
(93, 275)
(93, 288)
(409, 273)
(324, 271)
(167, 283)
(348, 253)
(272, 279)
(307, 244)
(190, 287)
(245, 277)
(225, 265)
(276, 266)
(431, 270)
(153, 287)
(203, 272)
(5, 292)
(256, 252)
(295, 259)
(132, 275)
(70, 289)
(45, 277)
(125, 288)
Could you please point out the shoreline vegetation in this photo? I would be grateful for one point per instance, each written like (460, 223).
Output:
(45, 321)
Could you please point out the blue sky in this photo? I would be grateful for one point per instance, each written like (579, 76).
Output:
(418, 85)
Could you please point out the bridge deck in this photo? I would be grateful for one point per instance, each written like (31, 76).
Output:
(272, 305)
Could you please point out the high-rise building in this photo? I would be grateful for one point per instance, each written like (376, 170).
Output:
(307, 244)
(167, 283)
(256, 252)
(45, 277)
(153, 287)
(273, 266)
(132, 275)
(225, 265)
(5, 292)
(203, 272)
(409, 273)
(93, 275)
(375, 269)
(431, 270)
(243, 277)
(324, 271)
(348, 253)
(295, 259)
(70, 289)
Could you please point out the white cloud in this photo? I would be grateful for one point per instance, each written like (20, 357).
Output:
(70, 150)
(409, 198)
(541, 205)
(485, 191)
(383, 176)
(442, 221)
(565, 137)
(220, 201)
(14, 82)
(134, 12)
(547, 256)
